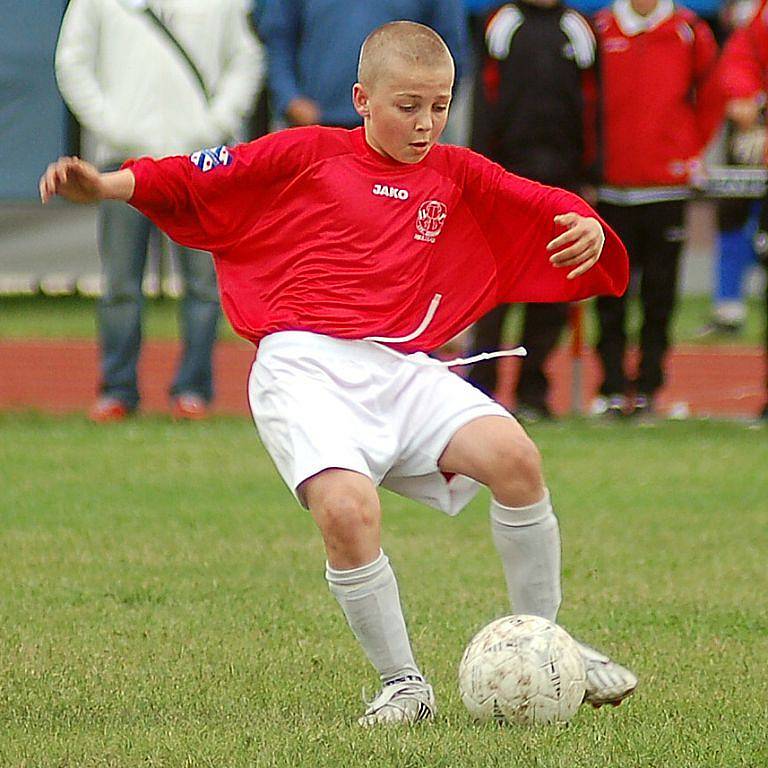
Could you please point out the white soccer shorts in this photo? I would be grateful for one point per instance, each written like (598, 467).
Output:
(320, 402)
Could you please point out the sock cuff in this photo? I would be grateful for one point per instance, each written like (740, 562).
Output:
(351, 577)
(521, 516)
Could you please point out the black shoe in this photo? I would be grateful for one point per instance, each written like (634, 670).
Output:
(764, 413)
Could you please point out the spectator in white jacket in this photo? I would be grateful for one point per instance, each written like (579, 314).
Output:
(155, 77)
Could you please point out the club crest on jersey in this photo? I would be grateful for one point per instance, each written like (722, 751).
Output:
(430, 220)
(386, 191)
(208, 159)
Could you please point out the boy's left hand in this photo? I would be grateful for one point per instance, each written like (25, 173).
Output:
(580, 245)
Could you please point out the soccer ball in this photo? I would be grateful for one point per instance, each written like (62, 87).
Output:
(523, 670)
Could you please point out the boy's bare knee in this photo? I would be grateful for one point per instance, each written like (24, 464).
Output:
(517, 478)
(346, 508)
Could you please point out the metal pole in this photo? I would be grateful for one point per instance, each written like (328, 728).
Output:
(576, 324)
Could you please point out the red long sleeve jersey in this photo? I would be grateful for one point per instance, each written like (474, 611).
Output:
(658, 96)
(312, 230)
(744, 63)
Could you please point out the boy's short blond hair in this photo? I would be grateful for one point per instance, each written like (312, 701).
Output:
(416, 44)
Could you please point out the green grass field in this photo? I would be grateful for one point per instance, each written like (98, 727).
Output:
(163, 602)
(74, 317)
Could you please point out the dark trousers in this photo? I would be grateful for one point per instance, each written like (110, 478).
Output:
(733, 213)
(761, 234)
(542, 326)
(765, 310)
(654, 235)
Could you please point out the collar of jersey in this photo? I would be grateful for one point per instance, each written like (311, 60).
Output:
(632, 23)
(366, 151)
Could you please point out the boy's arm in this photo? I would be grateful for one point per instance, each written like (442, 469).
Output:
(208, 200)
(548, 244)
(562, 250)
(163, 190)
(80, 182)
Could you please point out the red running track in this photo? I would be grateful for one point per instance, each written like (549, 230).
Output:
(61, 377)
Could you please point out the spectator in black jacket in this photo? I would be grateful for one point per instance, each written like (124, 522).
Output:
(535, 114)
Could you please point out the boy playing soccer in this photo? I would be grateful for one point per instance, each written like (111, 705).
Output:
(346, 255)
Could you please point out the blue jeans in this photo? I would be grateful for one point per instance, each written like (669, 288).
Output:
(735, 253)
(123, 235)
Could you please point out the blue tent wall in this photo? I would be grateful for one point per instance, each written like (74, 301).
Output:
(32, 116)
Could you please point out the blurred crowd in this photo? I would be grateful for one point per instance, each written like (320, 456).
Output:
(626, 104)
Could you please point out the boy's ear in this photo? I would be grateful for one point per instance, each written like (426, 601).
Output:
(360, 100)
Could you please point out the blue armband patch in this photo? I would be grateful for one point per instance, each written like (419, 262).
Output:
(207, 159)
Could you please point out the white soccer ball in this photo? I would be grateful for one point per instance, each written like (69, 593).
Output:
(523, 670)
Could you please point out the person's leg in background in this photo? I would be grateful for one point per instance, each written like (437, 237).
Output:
(487, 333)
(734, 256)
(764, 412)
(664, 229)
(611, 315)
(192, 388)
(123, 234)
(761, 251)
(542, 326)
(764, 261)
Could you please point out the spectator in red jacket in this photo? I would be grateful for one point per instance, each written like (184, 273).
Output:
(743, 70)
(659, 111)
(743, 78)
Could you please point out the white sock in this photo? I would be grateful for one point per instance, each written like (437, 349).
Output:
(370, 600)
(528, 541)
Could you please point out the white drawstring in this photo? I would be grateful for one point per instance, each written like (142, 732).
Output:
(422, 327)
(382, 341)
(425, 360)
(516, 352)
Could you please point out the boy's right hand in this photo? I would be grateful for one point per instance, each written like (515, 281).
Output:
(72, 178)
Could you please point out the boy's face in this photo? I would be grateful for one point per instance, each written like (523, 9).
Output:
(406, 108)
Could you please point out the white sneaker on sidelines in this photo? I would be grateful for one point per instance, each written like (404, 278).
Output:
(607, 682)
(401, 701)
(608, 406)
